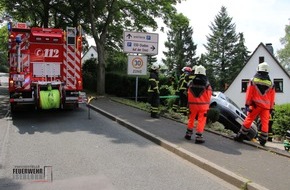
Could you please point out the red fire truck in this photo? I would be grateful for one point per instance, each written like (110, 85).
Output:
(45, 66)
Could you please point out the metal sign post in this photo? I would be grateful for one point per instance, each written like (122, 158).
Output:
(89, 107)
(136, 88)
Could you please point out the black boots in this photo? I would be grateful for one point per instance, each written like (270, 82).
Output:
(188, 134)
(242, 134)
(263, 137)
(199, 138)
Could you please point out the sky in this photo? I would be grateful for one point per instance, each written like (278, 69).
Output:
(259, 20)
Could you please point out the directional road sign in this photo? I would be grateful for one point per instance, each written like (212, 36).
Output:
(143, 43)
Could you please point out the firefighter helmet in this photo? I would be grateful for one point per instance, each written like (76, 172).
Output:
(263, 67)
(155, 66)
(200, 70)
(186, 69)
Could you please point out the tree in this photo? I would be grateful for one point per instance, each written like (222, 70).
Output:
(284, 53)
(111, 18)
(240, 58)
(118, 62)
(104, 20)
(181, 49)
(46, 13)
(226, 52)
(3, 49)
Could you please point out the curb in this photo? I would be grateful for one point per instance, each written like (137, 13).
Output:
(216, 170)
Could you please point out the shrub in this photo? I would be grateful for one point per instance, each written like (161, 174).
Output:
(90, 75)
(4, 69)
(213, 115)
(281, 119)
(89, 81)
(123, 85)
(166, 90)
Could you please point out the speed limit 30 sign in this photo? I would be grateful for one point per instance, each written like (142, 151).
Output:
(137, 65)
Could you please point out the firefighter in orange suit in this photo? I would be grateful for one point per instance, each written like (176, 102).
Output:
(260, 97)
(153, 90)
(199, 95)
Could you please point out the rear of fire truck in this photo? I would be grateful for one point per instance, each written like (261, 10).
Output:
(45, 66)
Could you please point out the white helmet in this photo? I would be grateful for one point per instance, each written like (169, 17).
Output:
(193, 67)
(200, 70)
(155, 66)
(263, 67)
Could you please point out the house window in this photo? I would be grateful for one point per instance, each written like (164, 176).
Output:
(244, 84)
(261, 59)
(278, 85)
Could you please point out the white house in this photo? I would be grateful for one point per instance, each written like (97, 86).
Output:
(237, 89)
(90, 54)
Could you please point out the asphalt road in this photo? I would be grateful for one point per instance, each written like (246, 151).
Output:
(95, 153)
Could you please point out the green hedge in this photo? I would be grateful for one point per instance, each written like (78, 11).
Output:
(125, 86)
(89, 81)
(281, 119)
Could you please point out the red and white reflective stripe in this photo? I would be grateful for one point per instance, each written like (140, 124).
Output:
(25, 60)
(26, 83)
(71, 66)
(69, 84)
(22, 45)
(78, 63)
(12, 60)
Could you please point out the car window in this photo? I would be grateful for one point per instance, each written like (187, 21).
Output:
(232, 102)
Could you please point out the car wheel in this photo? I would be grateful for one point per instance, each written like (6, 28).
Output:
(252, 133)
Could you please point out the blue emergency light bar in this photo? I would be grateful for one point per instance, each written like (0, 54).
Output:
(18, 39)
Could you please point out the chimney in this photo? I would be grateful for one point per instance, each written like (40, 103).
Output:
(270, 48)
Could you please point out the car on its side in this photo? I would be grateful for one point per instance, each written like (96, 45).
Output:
(230, 115)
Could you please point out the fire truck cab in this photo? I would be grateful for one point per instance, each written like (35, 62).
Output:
(44, 66)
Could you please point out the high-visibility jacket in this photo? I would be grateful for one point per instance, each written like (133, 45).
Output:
(153, 83)
(199, 95)
(261, 93)
(180, 82)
